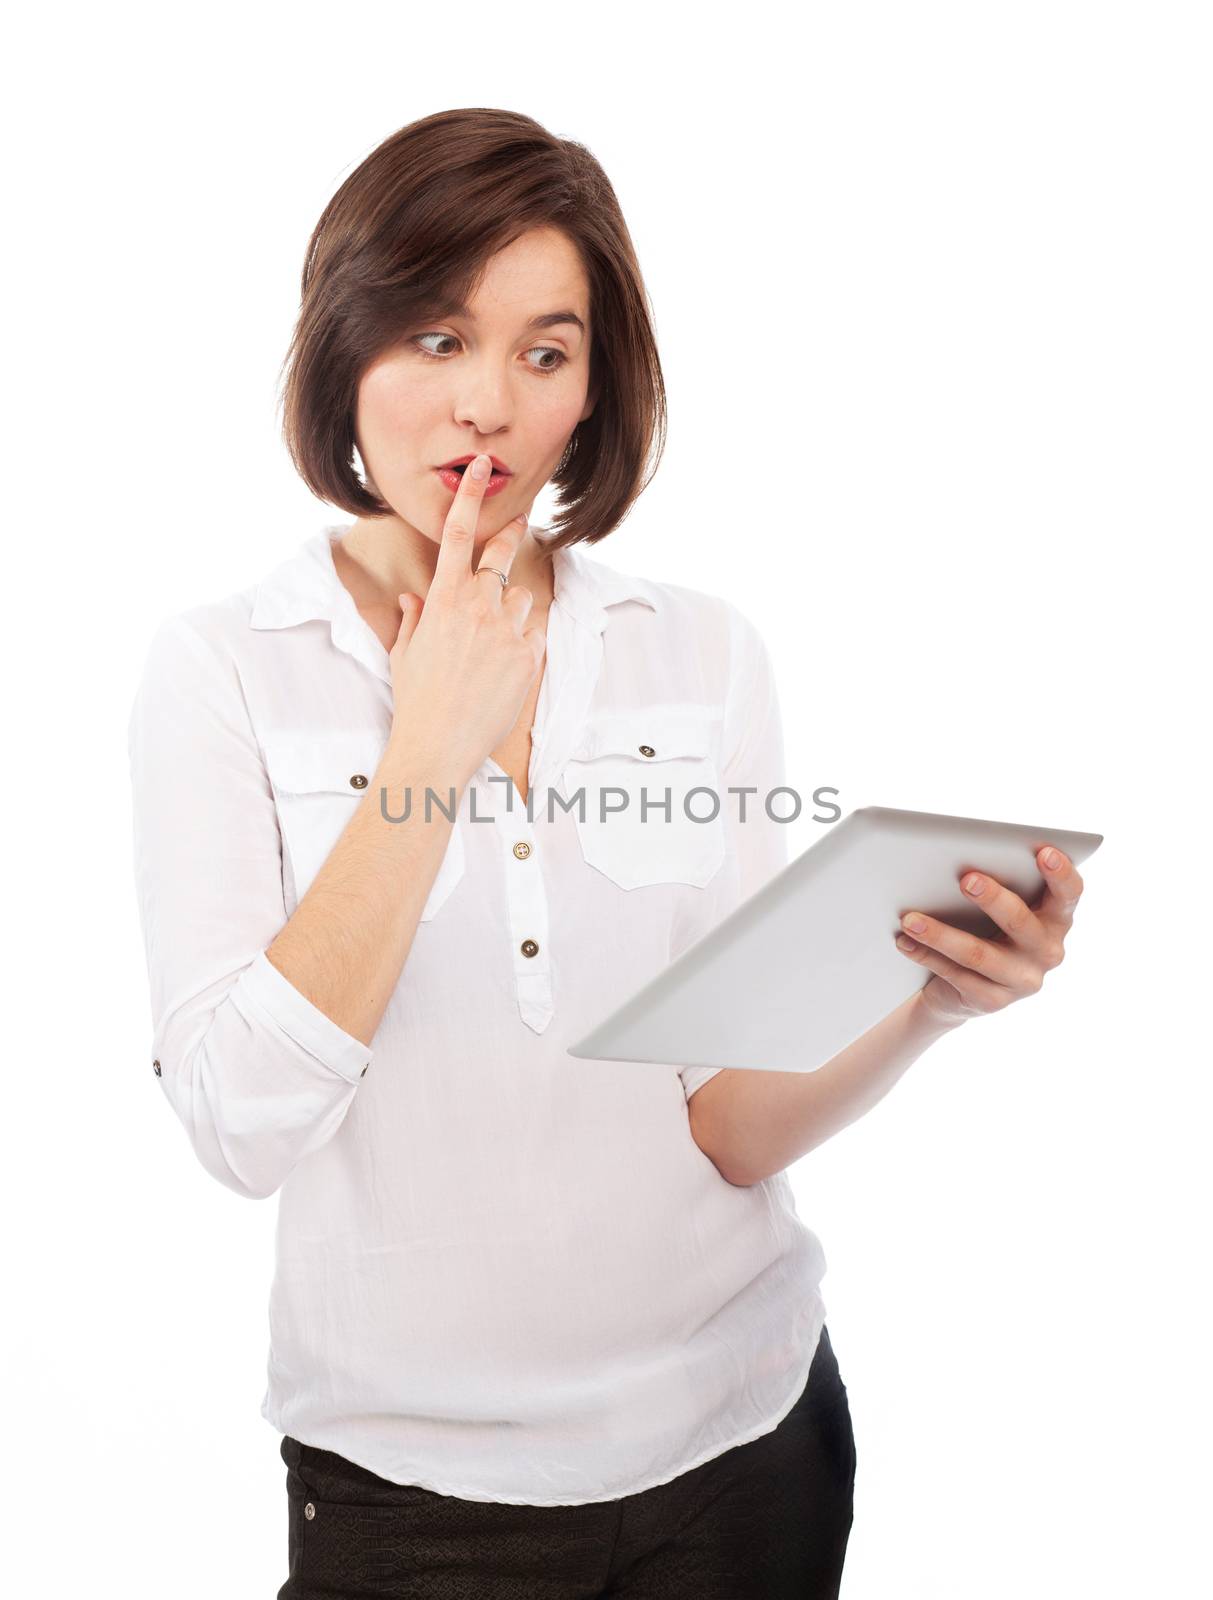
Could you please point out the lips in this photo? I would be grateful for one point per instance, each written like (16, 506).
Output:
(460, 462)
(451, 476)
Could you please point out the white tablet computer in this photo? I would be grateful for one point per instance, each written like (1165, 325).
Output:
(806, 965)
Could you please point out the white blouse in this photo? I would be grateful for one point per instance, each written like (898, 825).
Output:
(502, 1272)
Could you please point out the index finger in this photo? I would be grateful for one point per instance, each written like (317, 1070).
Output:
(459, 530)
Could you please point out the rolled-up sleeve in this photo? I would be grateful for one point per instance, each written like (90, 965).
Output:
(257, 1074)
(753, 738)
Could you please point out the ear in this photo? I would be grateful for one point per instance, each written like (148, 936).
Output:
(591, 401)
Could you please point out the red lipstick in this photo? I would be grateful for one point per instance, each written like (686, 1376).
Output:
(450, 476)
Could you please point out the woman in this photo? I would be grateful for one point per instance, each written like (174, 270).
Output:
(539, 1326)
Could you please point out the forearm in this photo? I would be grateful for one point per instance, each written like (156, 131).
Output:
(764, 1121)
(347, 942)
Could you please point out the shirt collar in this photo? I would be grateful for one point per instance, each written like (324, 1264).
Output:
(306, 587)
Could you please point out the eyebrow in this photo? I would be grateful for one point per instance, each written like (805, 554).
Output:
(548, 320)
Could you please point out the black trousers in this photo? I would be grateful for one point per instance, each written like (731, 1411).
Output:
(763, 1521)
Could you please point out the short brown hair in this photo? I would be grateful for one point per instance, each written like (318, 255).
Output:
(409, 232)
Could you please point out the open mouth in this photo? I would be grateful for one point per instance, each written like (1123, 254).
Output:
(453, 474)
(461, 467)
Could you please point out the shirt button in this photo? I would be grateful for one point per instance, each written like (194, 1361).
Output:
(358, 781)
(647, 750)
(522, 849)
(309, 1511)
(156, 1068)
(529, 947)
(362, 1074)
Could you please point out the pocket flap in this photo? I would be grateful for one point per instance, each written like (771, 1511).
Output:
(665, 731)
(301, 763)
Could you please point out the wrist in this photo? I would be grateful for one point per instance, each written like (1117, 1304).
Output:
(412, 763)
(925, 1022)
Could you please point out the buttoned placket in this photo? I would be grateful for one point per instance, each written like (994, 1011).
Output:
(494, 795)
(573, 660)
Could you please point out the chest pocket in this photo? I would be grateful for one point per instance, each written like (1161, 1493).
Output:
(319, 779)
(624, 757)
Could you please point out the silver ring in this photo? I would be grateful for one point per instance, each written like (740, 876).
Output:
(497, 570)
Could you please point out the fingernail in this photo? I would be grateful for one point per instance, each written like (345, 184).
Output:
(481, 467)
(914, 922)
(1052, 859)
(974, 883)
(903, 943)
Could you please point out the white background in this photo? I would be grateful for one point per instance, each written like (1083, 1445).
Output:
(931, 286)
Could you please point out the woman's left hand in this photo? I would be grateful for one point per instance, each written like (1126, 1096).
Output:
(974, 975)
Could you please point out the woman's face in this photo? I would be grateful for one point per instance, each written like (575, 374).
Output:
(484, 377)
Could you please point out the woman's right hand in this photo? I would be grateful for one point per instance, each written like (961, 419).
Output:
(464, 660)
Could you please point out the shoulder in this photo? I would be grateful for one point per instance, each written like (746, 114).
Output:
(202, 641)
(688, 615)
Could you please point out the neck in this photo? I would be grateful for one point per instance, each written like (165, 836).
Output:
(383, 557)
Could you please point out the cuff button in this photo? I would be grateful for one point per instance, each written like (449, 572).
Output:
(156, 1068)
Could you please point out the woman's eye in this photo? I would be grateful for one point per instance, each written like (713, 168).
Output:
(421, 336)
(549, 350)
(538, 350)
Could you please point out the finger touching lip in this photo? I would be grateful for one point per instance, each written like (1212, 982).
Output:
(452, 477)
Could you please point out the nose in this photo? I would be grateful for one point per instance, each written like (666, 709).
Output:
(484, 405)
